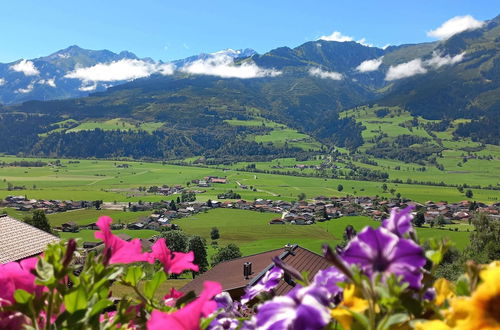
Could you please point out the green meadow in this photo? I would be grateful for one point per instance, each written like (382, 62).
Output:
(105, 180)
(252, 232)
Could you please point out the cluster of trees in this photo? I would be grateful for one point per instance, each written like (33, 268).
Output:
(229, 195)
(178, 241)
(483, 248)
(25, 163)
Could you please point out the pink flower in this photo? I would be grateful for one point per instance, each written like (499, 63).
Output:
(172, 296)
(189, 316)
(17, 275)
(176, 262)
(122, 252)
(13, 276)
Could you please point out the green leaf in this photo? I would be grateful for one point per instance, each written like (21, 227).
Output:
(76, 300)
(435, 256)
(133, 275)
(361, 319)
(388, 322)
(45, 272)
(462, 286)
(22, 296)
(151, 286)
(100, 306)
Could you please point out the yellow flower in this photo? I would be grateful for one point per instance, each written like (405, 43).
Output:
(482, 309)
(444, 291)
(351, 303)
(432, 325)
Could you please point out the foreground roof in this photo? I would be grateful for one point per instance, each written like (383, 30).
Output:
(19, 240)
(230, 273)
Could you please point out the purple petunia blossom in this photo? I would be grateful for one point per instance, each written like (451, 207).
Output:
(270, 280)
(223, 323)
(227, 313)
(303, 308)
(399, 222)
(328, 279)
(381, 251)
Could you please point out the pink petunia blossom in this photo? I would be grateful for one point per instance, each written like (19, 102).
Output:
(173, 263)
(189, 316)
(121, 251)
(17, 275)
(172, 296)
(13, 276)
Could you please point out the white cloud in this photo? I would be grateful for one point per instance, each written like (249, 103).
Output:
(28, 89)
(455, 25)
(369, 65)
(338, 36)
(26, 67)
(88, 88)
(318, 72)
(2, 81)
(223, 66)
(405, 70)
(363, 42)
(126, 69)
(438, 61)
(48, 82)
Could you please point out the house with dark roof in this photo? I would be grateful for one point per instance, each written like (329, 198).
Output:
(18, 240)
(233, 277)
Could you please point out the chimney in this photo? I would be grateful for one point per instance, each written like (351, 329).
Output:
(247, 270)
(289, 248)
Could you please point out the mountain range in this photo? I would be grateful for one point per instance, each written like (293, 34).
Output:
(306, 88)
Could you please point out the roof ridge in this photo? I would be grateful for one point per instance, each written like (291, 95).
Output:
(250, 255)
(27, 224)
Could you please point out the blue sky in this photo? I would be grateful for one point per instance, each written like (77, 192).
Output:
(170, 30)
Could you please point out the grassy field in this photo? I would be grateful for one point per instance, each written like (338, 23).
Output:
(115, 124)
(87, 216)
(252, 233)
(88, 235)
(103, 179)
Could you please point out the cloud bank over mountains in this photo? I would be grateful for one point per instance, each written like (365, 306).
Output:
(369, 65)
(455, 25)
(222, 65)
(318, 72)
(126, 69)
(418, 66)
(339, 37)
(26, 67)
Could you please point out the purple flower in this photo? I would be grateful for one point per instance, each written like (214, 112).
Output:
(399, 222)
(270, 280)
(223, 323)
(380, 251)
(303, 308)
(328, 279)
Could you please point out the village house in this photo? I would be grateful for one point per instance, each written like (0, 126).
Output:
(236, 274)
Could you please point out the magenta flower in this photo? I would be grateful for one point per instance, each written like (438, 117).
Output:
(380, 251)
(399, 222)
(189, 316)
(13, 276)
(267, 283)
(121, 251)
(171, 297)
(173, 263)
(17, 275)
